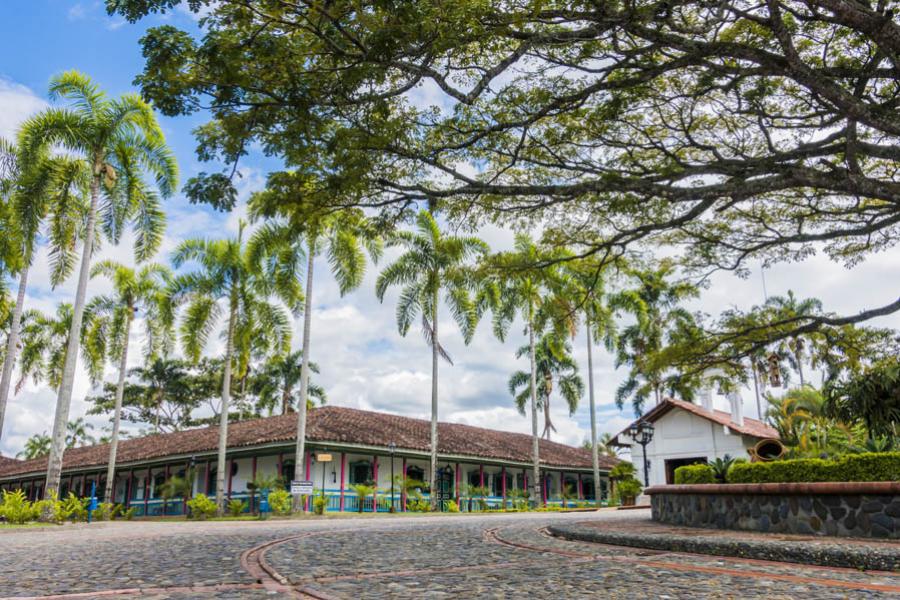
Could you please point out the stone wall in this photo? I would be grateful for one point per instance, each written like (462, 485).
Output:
(834, 509)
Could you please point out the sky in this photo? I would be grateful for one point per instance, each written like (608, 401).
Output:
(364, 362)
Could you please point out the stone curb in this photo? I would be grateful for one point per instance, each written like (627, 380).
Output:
(824, 553)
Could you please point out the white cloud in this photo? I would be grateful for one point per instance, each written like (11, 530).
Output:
(17, 103)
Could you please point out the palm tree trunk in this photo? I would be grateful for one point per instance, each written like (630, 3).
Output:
(535, 444)
(117, 411)
(759, 412)
(595, 457)
(799, 356)
(304, 370)
(64, 399)
(434, 396)
(12, 342)
(223, 416)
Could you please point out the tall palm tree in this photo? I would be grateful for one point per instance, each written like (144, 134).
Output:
(433, 262)
(226, 276)
(133, 291)
(275, 382)
(584, 289)
(655, 303)
(553, 361)
(122, 143)
(78, 434)
(295, 237)
(787, 308)
(520, 287)
(41, 188)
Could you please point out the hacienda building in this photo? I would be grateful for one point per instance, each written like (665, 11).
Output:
(363, 447)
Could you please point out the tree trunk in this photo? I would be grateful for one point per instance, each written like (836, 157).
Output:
(12, 343)
(759, 412)
(535, 444)
(595, 457)
(434, 396)
(299, 462)
(64, 399)
(117, 411)
(799, 356)
(223, 415)
(548, 423)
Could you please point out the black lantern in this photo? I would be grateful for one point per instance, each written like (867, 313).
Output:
(641, 432)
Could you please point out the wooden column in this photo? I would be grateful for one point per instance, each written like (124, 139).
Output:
(147, 489)
(308, 478)
(230, 468)
(129, 487)
(253, 478)
(456, 482)
(403, 489)
(343, 464)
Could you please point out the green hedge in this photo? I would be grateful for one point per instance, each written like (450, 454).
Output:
(695, 474)
(884, 466)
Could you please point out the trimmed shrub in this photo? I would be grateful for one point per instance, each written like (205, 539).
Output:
(853, 467)
(202, 507)
(320, 503)
(452, 506)
(691, 474)
(16, 508)
(280, 501)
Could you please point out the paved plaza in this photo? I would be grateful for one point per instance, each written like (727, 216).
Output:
(466, 556)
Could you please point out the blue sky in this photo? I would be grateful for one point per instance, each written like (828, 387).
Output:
(364, 361)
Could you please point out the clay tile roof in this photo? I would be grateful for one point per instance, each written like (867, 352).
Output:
(6, 460)
(328, 424)
(751, 427)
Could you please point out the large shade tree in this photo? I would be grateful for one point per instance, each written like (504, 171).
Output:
(135, 291)
(738, 131)
(124, 147)
(432, 263)
(225, 282)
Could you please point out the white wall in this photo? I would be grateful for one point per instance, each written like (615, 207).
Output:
(680, 434)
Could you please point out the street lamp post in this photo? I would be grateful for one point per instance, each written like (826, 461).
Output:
(392, 446)
(642, 433)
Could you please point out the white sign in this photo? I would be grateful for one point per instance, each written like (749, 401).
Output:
(321, 457)
(301, 488)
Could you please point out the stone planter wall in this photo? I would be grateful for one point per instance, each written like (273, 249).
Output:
(868, 509)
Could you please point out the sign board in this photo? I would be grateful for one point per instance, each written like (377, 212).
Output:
(322, 457)
(301, 488)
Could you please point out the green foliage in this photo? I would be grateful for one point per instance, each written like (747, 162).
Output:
(16, 508)
(127, 513)
(628, 488)
(872, 397)
(853, 467)
(720, 467)
(691, 474)
(202, 507)
(74, 508)
(236, 507)
(281, 502)
(362, 491)
(452, 506)
(320, 503)
(105, 511)
(622, 470)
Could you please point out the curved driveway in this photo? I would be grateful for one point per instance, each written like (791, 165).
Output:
(466, 556)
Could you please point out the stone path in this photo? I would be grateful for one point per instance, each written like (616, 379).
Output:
(470, 556)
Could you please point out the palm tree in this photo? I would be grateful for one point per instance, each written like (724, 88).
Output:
(584, 289)
(44, 348)
(275, 382)
(133, 291)
(33, 190)
(122, 142)
(226, 275)
(283, 245)
(433, 262)
(36, 446)
(553, 361)
(655, 303)
(787, 308)
(77, 434)
(520, 287)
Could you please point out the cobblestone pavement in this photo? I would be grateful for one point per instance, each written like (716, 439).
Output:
(491, 556)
